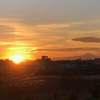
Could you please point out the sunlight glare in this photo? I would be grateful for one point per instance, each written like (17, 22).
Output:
(17, 58)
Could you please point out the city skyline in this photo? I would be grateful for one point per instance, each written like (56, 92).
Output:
(49, 27)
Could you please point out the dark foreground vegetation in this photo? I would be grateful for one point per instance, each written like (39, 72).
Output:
(49, 88)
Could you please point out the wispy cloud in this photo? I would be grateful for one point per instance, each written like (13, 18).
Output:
(87, 39)
(22, 37)
(67, 49)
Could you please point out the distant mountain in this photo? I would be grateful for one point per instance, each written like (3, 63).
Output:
(88, 56)
(83, 57)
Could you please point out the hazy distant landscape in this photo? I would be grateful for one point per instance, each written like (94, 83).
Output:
(53, 81)
(84, 57)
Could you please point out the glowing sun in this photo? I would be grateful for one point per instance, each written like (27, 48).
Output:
(17, 58)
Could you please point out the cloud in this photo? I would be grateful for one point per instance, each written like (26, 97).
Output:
(87, 39)
(14, 32)
(67, 49)
(4, 28)
(53, 26)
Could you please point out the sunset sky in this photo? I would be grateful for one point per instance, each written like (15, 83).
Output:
(56, 28)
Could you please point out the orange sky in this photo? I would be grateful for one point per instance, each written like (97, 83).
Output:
(55, 28)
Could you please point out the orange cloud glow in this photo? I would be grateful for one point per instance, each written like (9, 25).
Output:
(20, 38)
